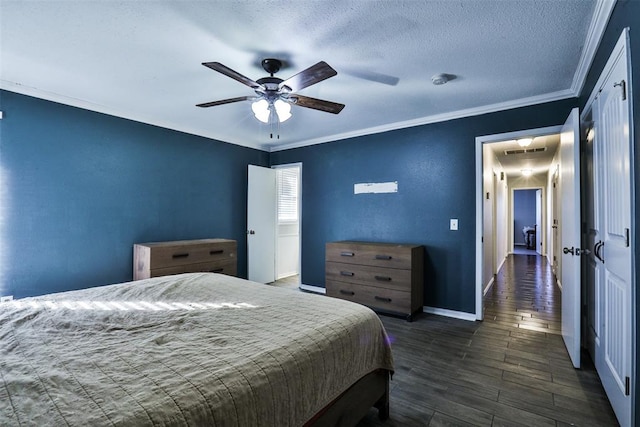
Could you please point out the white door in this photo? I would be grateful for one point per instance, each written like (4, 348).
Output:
(570, 234)
(261, 224)
(555, 213)
(614, 251)
(538, 246)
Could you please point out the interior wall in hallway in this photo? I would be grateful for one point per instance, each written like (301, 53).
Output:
(524, 213)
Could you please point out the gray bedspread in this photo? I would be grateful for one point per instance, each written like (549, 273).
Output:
(191, 349)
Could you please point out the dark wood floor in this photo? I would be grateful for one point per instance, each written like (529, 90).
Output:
(511, 369)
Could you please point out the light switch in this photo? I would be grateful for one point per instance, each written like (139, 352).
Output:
(453, 224)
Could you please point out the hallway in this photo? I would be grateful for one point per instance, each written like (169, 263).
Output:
(511, 369)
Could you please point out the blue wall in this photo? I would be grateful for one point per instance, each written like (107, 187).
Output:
(80, 188)
(524, 213)
(435, 169)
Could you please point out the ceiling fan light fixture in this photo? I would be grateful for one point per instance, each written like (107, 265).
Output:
(283, 109)
(525, 142)
(261, 110)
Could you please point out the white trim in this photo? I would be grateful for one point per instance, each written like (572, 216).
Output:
(599, 21)
(603, 10)
(127, 115)
(314, 289)
(503, 260)
(621, 49)
(489, 285)
(598, 24)
(450, 313)
(299, 222)
(480, 140)
(479, 230)
(470, 112)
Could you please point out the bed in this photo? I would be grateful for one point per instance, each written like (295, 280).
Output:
(190, 349)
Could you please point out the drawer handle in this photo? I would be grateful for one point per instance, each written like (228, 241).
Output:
(347, 254)
(346, 273)
(182, 255)
(385, 257)
(342, 291)
(383, 278)
(382, 299)
(217, 251)
(217, 270)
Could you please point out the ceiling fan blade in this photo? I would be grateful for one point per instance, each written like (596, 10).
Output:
(312, 75)
(316, 104)
(216, 66)
(225, 101)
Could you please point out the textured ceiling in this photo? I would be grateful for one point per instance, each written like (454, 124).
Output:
(142, 59)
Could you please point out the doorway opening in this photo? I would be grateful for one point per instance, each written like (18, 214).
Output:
(288, 220)
(505, 163)
(527, 221)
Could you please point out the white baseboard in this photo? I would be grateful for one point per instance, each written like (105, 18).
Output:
(486, 288)
(450, 313)
(311, 288)
(432, 310)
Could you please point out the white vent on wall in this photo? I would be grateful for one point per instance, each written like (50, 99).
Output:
(525, 150)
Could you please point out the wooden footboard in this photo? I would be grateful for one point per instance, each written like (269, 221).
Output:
(349, 408)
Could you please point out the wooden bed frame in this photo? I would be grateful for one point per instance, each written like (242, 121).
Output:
(350, 407)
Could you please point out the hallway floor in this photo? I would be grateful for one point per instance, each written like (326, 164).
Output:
(511, 369)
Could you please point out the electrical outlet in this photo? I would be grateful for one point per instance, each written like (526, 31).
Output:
(6, 298)
(453, 224)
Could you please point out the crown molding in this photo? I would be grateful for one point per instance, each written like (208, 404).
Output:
(98, 108)
(602, 13)
(469, 112)
(597, 27)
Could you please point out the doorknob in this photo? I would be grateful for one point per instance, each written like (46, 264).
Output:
(251, 232)
(596, 250)
(576, 251)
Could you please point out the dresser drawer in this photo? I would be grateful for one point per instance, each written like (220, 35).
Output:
(389, 278)
(183, 256)
(387, 255)
(168, 256)
(223, 267)
(371, 296)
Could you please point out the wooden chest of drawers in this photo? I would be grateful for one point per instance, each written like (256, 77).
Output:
(386, 277)
(184, 256)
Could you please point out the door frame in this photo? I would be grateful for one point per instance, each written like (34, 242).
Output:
(480, 141)
(512, 208)
(299, 166)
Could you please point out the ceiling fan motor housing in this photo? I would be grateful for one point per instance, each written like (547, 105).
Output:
(271, 65)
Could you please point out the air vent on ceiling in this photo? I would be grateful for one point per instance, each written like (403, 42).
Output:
(523, 150)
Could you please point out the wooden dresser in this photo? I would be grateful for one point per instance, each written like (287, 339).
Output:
(184, 256)
(386, 277)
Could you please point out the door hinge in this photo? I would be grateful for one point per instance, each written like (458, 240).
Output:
(626, 237)
(627, 386)
(623, 86)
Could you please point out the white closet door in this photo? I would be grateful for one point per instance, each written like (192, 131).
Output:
(614, 362)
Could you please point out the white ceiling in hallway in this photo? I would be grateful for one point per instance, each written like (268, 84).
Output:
(142, 59)
(537, 156)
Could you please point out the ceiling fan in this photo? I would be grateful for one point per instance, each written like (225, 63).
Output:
(274, 96)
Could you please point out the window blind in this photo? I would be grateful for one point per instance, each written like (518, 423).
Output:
(287, 180)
